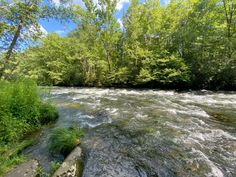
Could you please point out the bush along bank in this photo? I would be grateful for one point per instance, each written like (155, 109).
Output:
(21, 113)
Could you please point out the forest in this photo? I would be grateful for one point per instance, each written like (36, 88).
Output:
(183, 44)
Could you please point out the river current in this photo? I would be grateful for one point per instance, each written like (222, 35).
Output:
(148, 133)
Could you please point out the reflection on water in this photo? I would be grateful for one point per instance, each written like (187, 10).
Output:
(149, 133)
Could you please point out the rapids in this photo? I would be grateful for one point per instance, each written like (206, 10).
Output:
(148, 133)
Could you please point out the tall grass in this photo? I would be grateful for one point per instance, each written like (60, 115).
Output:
(63, 141)
(21, 112)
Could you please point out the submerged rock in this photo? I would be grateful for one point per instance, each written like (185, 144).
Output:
(73, 105)
(27, 169)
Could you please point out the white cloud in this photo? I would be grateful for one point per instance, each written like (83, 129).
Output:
(121, 3)
(165, 2)
(60, 32)
(56, 2)
(43, 30)
(77, 2)
(119, 6)
(121, 23)
(32, 30)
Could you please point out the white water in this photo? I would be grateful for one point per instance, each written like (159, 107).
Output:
(196, 131)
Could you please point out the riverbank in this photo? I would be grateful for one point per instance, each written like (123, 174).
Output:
(182, 88)
(22, 113)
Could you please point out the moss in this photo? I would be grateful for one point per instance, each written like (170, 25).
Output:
(73, 105)
(80, 168)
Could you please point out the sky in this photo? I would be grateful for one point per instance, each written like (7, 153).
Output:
(49, 26)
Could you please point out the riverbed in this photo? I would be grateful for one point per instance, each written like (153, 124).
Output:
(147, 133)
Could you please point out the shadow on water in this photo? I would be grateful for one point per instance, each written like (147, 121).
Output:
(136, 153)
(226, 118)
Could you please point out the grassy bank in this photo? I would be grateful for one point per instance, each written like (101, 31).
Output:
(21, 113)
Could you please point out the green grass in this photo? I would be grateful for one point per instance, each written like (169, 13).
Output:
(10, 155)
(63, 141)
(48, 113)
(21, 112)
(54, 165)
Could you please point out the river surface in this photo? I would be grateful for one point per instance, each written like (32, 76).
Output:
(148, 133)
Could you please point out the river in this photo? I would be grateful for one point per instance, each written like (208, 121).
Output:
(148, 133)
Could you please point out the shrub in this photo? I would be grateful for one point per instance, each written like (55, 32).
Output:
(19, 102)
(21, 110)
(63, 141)
(12, 129)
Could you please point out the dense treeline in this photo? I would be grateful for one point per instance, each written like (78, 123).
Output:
(185, 44)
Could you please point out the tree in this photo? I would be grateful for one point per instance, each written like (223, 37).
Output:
(99, 32)
(53, 62)
(230, 16)
(148, 28)
(206, 45)
(186, 43)
(18, 18)
(109, 30)
(133, 46)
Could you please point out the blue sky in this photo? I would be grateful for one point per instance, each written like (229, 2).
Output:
(64, 28)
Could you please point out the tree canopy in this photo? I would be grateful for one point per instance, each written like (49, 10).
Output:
(184, 44)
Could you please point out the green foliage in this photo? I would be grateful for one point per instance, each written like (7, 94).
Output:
(22, 110)
(119, 77)
(63, 141)
(41, 173)
(187, 43)
(19, 21)
(48, 113)
(9, 163)
(54, 166)
(10, 155)
(19, 109)
(53, 63)
(171, 69)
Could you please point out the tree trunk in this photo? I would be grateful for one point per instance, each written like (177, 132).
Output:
(11, 47)
(229, 22)
(108, 61)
